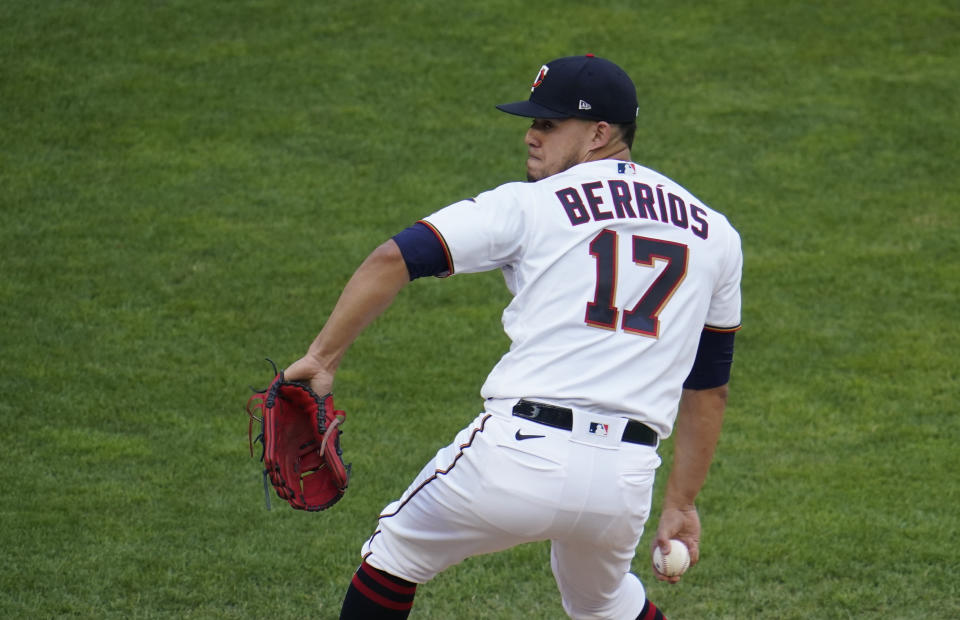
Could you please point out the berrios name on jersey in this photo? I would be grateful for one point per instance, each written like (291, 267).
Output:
(615, 270)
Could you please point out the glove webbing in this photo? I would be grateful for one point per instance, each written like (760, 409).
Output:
(256, 402)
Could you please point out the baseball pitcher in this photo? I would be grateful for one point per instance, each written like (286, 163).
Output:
(626, 298)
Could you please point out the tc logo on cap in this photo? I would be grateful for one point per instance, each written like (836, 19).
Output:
(540, 76)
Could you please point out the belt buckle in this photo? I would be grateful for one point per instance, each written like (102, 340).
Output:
(535, 410)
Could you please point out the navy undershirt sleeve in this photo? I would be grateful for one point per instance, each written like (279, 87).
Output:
(423, 251)
(711, 368)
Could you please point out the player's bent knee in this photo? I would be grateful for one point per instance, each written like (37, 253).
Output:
(624, 601)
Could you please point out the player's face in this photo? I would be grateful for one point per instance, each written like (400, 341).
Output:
(554, 145)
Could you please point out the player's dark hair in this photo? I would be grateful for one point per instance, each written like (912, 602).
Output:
(627, 132)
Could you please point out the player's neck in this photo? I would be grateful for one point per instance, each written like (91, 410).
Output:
(613, 151)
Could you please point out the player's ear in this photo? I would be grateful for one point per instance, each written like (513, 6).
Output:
(603, 133)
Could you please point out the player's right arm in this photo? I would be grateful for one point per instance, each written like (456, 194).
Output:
(696, 432)
(699, 420)
(701, 409)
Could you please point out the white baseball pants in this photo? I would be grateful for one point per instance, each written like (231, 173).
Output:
(505, 481)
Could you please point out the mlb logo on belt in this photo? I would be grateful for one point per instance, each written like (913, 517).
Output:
(598, 429)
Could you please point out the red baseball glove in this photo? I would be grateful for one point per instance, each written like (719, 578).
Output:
(300, 433)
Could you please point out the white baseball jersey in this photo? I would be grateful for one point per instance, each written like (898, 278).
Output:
(615, 270)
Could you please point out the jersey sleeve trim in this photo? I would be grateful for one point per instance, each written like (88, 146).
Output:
(443, 243)
(423, 251)
(722, 330)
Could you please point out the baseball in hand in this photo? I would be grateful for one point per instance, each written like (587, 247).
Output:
(674, 563)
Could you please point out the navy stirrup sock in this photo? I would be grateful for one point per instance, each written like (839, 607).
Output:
(376, 594)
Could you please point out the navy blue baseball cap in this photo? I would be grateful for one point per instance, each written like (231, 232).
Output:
(582, 87)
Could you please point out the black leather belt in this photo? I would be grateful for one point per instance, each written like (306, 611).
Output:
(561, 417)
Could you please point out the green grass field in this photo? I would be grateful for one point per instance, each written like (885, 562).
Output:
(186, 186)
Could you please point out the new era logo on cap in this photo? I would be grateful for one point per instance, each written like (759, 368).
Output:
(579, 86)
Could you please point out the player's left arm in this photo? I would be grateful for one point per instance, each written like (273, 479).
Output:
(370, 291)
(413, 253)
